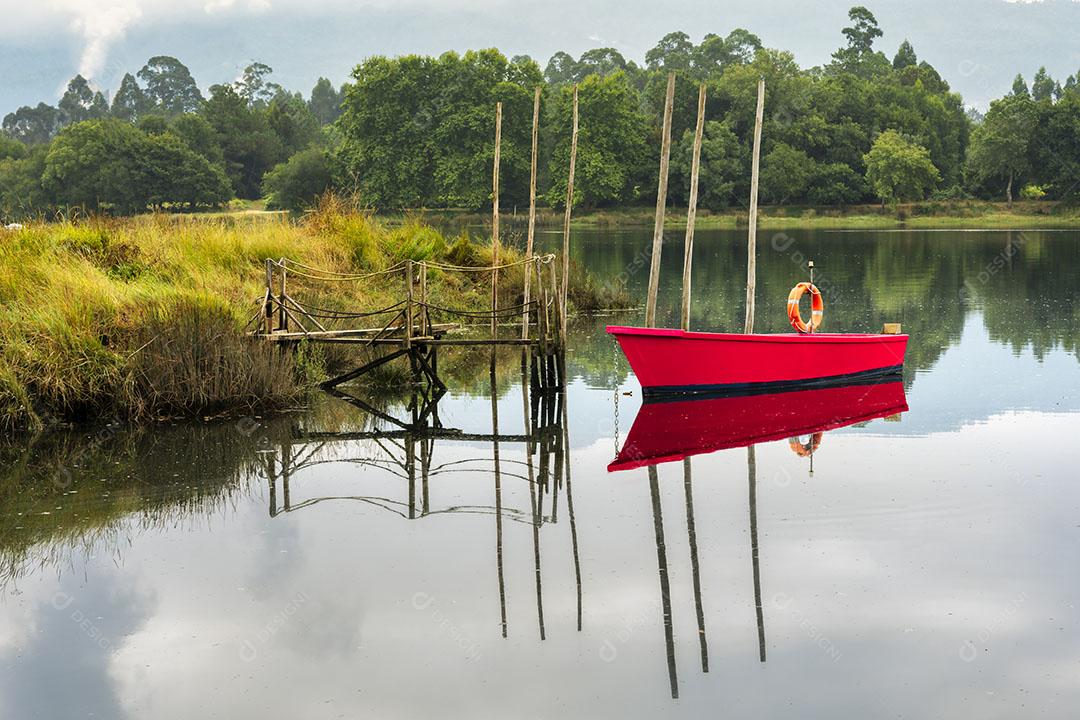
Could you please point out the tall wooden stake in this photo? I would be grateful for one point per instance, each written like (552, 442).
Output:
(532, 214)
(495, 221)
(566, 219)
(751, 242)
(661, 206)
(691, 212)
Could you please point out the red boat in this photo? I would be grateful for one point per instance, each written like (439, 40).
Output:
(669, 431)
(677, 362)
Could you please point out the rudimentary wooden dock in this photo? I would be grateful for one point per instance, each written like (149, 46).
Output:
(416, 327)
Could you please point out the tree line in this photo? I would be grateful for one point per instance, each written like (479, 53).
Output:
(416, 131)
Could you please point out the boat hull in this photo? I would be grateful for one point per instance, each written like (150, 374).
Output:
(677, 363)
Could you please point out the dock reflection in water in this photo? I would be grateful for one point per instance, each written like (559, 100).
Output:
(407, 449)
(674, 430)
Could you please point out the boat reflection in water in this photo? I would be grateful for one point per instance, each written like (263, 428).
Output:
(674, 430)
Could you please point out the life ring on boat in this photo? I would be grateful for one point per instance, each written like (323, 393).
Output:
(805, 449)
(817, 307)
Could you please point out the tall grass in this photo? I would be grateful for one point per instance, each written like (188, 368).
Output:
(145, 317)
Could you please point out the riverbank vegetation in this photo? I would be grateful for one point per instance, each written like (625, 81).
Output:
(145, 317)
(417, 131)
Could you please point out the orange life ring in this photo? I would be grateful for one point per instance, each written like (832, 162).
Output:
(805, 449)
(817, 307)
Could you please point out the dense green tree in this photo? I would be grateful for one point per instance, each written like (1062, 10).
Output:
(170, 88)
(720, 170)
(1043, 86)
(199, 135)
(80, 102)
(836, 184)
(561, 69)
(21, 193)
(599, 61)
(173, 174)
(1019, 86)
(1055, 147)
(859, 56)
(899, 169)
(129, 103)
(1000, 145)
(11, 148)
(325, 102)
(294, 184)
(418, 131)
(253, 86)
(785, 174)
(905, 56)
(613, 147)
(673, 52)
(250, 147)
(33, 125)
(94, 165)
(292, 121)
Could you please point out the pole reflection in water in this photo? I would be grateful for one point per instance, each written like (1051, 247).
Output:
(406, 450)
(677, 430)
(751, 472)
(665, 589)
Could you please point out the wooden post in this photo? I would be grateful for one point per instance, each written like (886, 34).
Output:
(283, 317)
(751, 241)
(532, 214)
(268, 320)
(423, 300)
(495, 221)
(566, 218)
(661, 206)
(691, 212)
(408, 304)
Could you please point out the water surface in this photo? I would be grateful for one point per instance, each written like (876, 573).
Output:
(288, 567)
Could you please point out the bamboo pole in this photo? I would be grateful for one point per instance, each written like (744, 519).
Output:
(532, 213)
(566, 220)
(408, 303)
(691, 212)
(495, 222)
(268, 318)
(423, 300)
(661, 206)
(283, 316)
(751, 241)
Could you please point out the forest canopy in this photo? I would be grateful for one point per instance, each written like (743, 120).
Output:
(417, 131)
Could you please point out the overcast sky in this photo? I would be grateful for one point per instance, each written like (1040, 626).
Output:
(977, 45)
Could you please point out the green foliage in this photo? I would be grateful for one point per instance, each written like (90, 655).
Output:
(11, 148)
(170, 89)
(1000, 145)
(129, 103)
(418, 131)
(325, 102)
(899, 169)
(836, 184)
(110, 165)
(613, 145)
(34, 125)
(80, 102)
(295, 183)
(1032, 192)
(249, 145)
(905, 56)
(785, 173)
(721, 166)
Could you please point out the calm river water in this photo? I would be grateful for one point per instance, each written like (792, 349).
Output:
(309, 566)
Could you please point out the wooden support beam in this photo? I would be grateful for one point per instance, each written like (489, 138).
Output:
(563, 296)
(268, 306)
(691, 211)
(661, 206)
(495, 221)
(751, 241)
(531, 232)
(408, 303)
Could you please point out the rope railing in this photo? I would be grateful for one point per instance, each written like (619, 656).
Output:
(287, 318)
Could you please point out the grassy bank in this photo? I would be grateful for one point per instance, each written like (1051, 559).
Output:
(966, 214)
(144, 318)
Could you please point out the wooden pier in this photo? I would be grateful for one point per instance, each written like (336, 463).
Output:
(415, 326)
